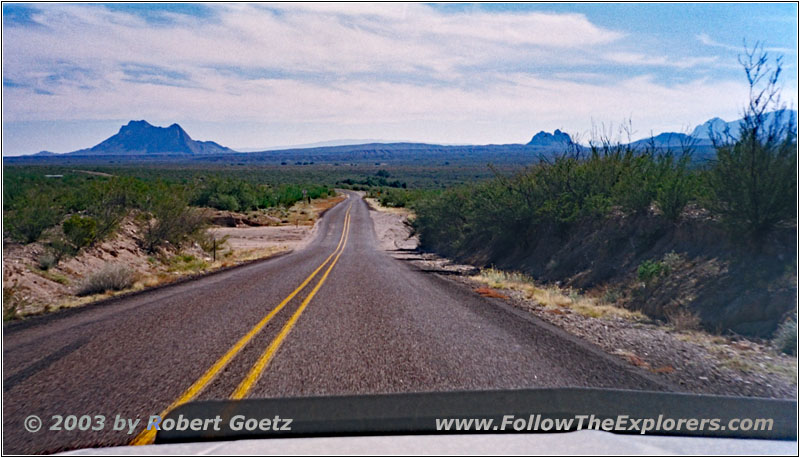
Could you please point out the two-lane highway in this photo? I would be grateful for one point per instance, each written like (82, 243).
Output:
(338, 317)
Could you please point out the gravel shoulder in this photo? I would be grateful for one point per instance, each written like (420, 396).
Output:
(695, 361)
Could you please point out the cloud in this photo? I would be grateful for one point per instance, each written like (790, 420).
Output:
(330, 38)
(632, 58)
(708, 41)
(349, 64)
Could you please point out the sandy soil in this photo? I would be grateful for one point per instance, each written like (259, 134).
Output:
(37, 291)
(247, 238)
(391, 226)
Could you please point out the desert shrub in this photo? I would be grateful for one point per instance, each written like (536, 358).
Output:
(753, 180)
(59, 246)
(47, 260)
(111, 277)
(682, 319)
(399, 197)
(550, 198)
(675, 183)
(441, 222)
(240, 195)
(223, 202)
(227, 194)
(636, 187)
(111, 201)
(785, 339)
(186, 263)
(651, 269)
(378, 180)
(31, 215)
(169, 219)
(612, 295)
(672, 260)
(12, 303)
(80, 231)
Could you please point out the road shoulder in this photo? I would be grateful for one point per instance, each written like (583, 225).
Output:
(692, 360)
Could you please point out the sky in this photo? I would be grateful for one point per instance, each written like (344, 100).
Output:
(261, 75)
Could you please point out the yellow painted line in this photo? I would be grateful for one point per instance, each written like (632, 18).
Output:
(255, 373)
(147, 436)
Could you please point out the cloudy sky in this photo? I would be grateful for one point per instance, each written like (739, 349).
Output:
(261, 75)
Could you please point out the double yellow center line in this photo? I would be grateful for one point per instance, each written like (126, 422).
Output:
(147, 436)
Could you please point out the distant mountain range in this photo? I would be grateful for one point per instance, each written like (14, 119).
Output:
(140, 140)
(700, 136)
(143, 138)
(719, 127)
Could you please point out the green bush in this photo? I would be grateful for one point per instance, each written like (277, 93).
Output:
(169, 219)
(675, 185)
(31, 215)
(80, 231)
(398, 197)
(111, 201)
(651, 269)
(785, 338)
(550, 198)
(47, 260)
(224, 202)
(60, 247)
(754, 178)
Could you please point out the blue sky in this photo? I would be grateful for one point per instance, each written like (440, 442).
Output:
(260, 75)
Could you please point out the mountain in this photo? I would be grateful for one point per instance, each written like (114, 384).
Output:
(668, 140)
(717, 126)
(143, 138)
(701, 135)
(557, 138)
(339, 142)
(720, 128)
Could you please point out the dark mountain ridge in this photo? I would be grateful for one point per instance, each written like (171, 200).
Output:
(143, 138)
(557, 138)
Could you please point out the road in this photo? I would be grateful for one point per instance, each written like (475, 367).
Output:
(338, 317)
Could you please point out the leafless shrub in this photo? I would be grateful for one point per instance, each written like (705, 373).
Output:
(113, 277)
(682, 319)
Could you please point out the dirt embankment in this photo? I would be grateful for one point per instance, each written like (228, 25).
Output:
(690, 267)
(392, 227)
(693, 267)
(29, 288)
(690, 359)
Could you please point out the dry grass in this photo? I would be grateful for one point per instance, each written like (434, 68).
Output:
(305, 214)
(553, 297)
(51, 275)
(238, 256)
(186, 263)
(744, 355)
(683, 320)
(183, 265)
(111, 277)
(320, 205)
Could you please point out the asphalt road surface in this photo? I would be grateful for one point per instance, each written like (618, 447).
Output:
(338, 317)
